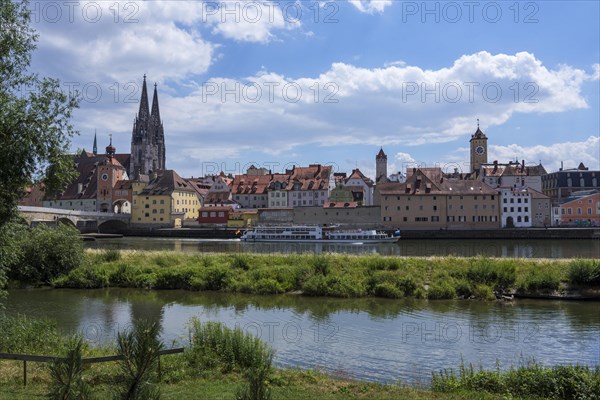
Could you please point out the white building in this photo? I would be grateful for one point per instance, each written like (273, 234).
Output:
(515, 207)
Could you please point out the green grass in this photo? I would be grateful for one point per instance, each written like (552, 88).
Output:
(220, 360)
(334, 275)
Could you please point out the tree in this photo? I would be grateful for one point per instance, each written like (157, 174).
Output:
(35, 114)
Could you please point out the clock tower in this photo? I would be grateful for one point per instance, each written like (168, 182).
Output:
(478, 149)
(109, 172)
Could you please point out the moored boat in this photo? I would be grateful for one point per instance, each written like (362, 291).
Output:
(309, 233)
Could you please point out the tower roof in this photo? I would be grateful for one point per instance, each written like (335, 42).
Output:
(478, 133)
(144, 111)
(381, 154)
(155, 109)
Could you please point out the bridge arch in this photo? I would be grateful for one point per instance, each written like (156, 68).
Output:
(121, 206)
(112, 226)
(66, 221)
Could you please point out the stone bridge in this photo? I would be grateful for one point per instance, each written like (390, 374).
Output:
(85, 221)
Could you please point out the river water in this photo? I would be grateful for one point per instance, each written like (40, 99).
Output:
(416, 248)
(372, 339)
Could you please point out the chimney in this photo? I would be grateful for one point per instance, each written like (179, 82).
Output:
(495, 166)
(522, 165)
(561, 166)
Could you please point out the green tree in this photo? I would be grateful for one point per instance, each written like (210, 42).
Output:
(35, 114)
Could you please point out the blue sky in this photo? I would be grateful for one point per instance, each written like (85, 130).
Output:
(281, 83)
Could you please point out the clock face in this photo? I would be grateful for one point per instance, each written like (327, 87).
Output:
(104, 177)
(479, 150)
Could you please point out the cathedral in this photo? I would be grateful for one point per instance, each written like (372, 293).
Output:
(147, 138)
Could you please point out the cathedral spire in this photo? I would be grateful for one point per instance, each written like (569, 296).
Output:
(95, 150)
(155, 109)
(144, 111)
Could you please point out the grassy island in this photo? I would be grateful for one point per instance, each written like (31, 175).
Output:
(337, 275)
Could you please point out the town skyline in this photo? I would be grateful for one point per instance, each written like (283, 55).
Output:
(419, 100)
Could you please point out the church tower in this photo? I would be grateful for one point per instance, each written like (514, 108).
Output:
(110, 171)
(147, 138)
(479, 149)
(381, 167)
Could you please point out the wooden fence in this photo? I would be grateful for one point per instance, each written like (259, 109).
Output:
(90, 360)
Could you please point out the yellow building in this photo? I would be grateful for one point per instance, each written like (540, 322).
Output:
(242, 219)
(166, 201)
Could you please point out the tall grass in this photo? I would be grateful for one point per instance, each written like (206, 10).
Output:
(22, 334)
(531, 380)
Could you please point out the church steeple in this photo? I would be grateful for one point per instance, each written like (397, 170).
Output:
(95, 150)
(155, 110)
(144, 111)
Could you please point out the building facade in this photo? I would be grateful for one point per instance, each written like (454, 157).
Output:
(166, 201)
(562, 183)
(427, 200)
(581, 209)
(147, 138)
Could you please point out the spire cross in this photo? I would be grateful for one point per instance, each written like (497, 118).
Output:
(110, 136)
(477, 123)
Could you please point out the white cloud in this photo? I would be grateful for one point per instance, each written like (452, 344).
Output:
(551, 156)
(389, 106)
(370, 6)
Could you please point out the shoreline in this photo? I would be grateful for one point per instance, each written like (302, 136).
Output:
(343, 276)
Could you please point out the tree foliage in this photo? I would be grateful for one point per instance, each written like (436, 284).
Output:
(35, 114)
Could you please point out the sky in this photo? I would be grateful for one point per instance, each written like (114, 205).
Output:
(285, 83)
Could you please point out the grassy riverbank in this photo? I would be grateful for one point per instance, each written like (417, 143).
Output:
(218, 362)
(336, 275)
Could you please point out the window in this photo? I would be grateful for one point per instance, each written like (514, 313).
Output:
(525, 200)
(526, 218)
(407, 208)
(147, 206)
(405, 219)
(505, 200)
(569, 211)
(578, 210)
(519, 209)
(589, 210)
(512, 201)
(221, 214)
(519, 200)
(526, 209)
(435, 218)
(512, 209)
(505, 209)
(519, 218)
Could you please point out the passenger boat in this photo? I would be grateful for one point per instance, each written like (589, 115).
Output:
(308, 233)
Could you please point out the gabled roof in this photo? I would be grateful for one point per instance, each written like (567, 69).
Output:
(165, 183)
(381, 155)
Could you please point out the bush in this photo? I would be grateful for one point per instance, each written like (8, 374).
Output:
(388, 290)
(441, 290)
(584, 272)
(483, 292)
(46, 253)
(321, 265)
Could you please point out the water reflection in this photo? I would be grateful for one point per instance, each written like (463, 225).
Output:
(412, 248)
(373, 339)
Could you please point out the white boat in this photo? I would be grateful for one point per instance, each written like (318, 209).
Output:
(309, 233)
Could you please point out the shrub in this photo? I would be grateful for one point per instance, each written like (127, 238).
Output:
(483, 292)
(389, 290)
(48, 253)
(316, 285)
(321, 265)
(140, 349)
(67, 374)
(441, 290)
(257, 377)
(216, 278)
(584, 272)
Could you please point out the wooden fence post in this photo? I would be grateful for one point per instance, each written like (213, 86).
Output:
(24, 372)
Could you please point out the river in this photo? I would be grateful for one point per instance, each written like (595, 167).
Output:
(416, 248)
(371, 339)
